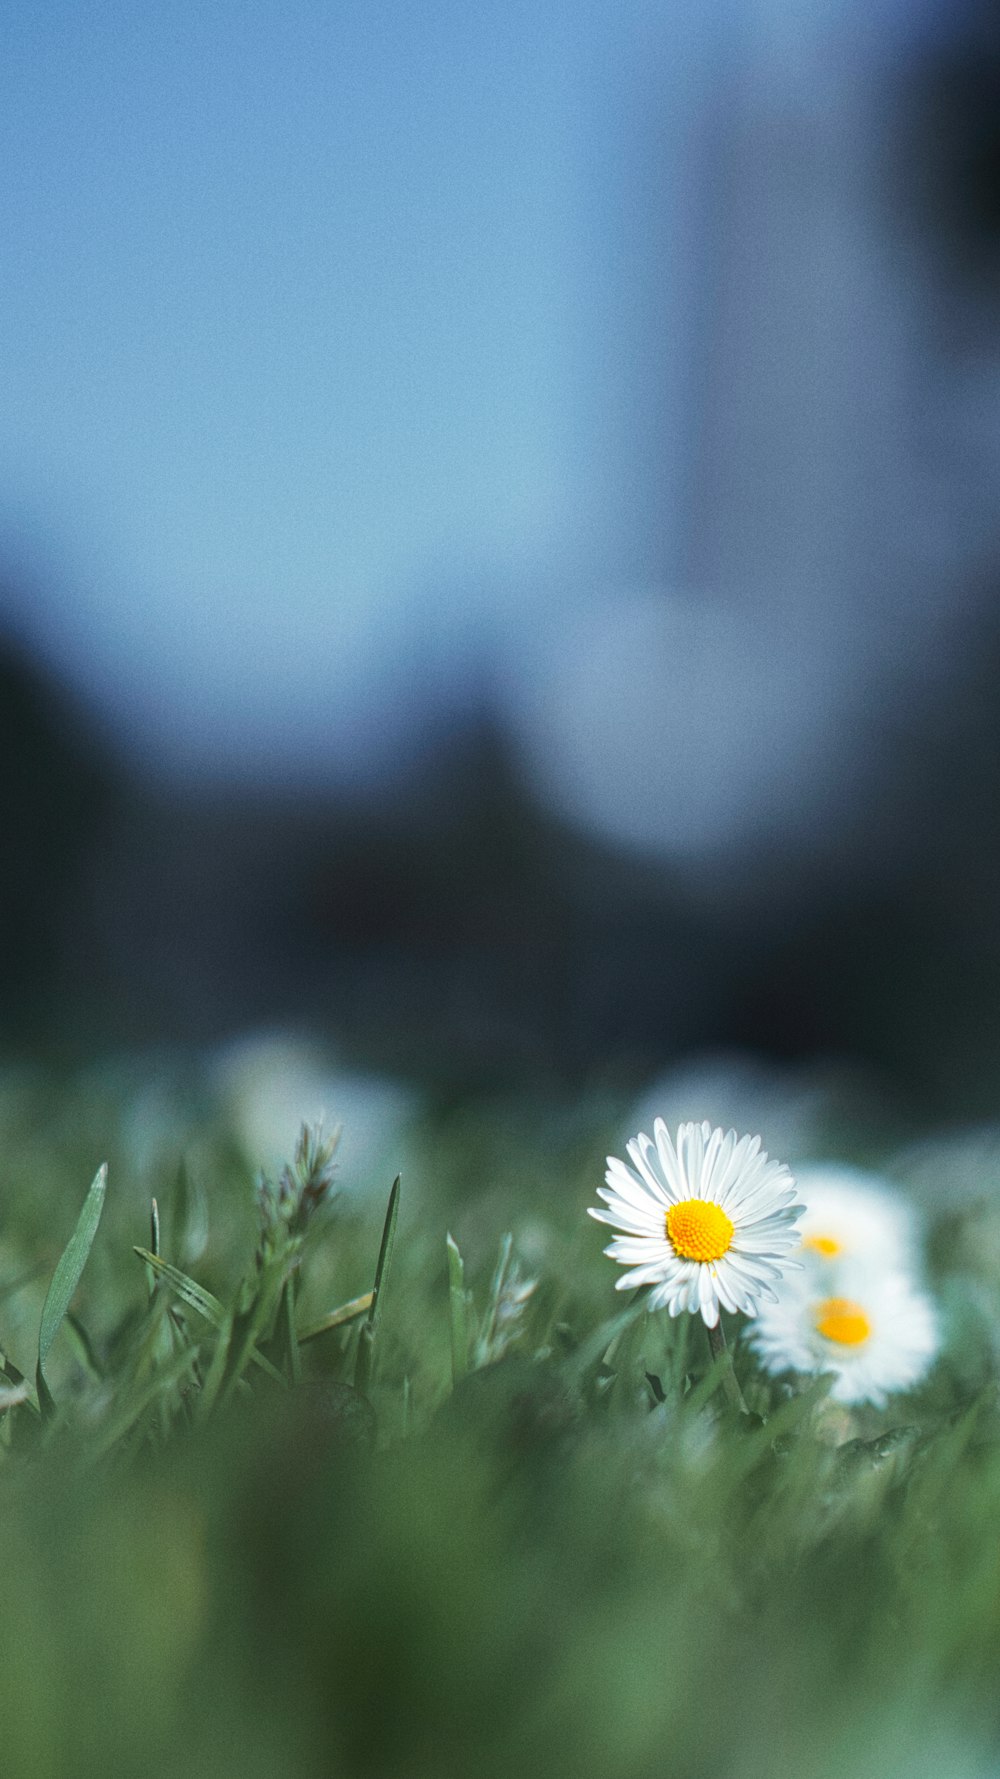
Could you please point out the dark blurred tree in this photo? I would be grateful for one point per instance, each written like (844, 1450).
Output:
(950, 142)
(53, 798)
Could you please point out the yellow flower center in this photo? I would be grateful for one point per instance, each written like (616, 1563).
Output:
(827, 1245)
(698, 1229)
(840, 1320)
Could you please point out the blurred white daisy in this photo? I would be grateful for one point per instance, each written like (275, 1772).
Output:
(709, 1221)
(855, 1218)
(876, 1341)
(270, 1083)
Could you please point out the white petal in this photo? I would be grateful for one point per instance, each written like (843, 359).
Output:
(668, 1160)
(622, 1180)
(644, 1217)
(723, 1290)
(719, 1174)
(750, 1192)
(660, 1296)
(708, 1302)
(640, 1250)
(746, 1164)
(709, 1161)
(696, 1158)
(764, 1243)
(638, 1275)
(639, 1156)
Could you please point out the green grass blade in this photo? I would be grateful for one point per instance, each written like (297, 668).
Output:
(385, 1249)
(156, 1389)
(289, 1333)
(83, 1347)
(248, 1325)
(201, 1300)
(493, 1301)
(186, 1288)
(459, 1313)
(366, 1342)
(590, 1352)
(66, 1278)
(216, 1374)
(338, 1318)
(10, 1287)
(188, 1217)
(9, 1370)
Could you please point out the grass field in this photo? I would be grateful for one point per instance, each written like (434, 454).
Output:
(303, 1488)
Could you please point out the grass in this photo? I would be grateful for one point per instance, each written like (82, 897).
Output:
(396, 1484)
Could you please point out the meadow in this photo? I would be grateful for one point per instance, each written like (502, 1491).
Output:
(389, 1480)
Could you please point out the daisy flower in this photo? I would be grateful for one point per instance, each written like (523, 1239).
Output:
(875, 1342)
(853, 1217)
(706, 1221)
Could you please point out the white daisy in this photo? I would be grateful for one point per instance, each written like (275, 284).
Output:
(878, 1340)
(707, 1222)
(855, 1218)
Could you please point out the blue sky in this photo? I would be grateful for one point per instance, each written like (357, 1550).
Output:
(312, 327)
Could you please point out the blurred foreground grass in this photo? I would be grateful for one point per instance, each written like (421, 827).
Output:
(476, 1527)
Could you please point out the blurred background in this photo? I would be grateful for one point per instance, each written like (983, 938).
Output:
(500, 535)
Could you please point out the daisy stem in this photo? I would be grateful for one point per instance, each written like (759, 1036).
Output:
(730, 1383)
